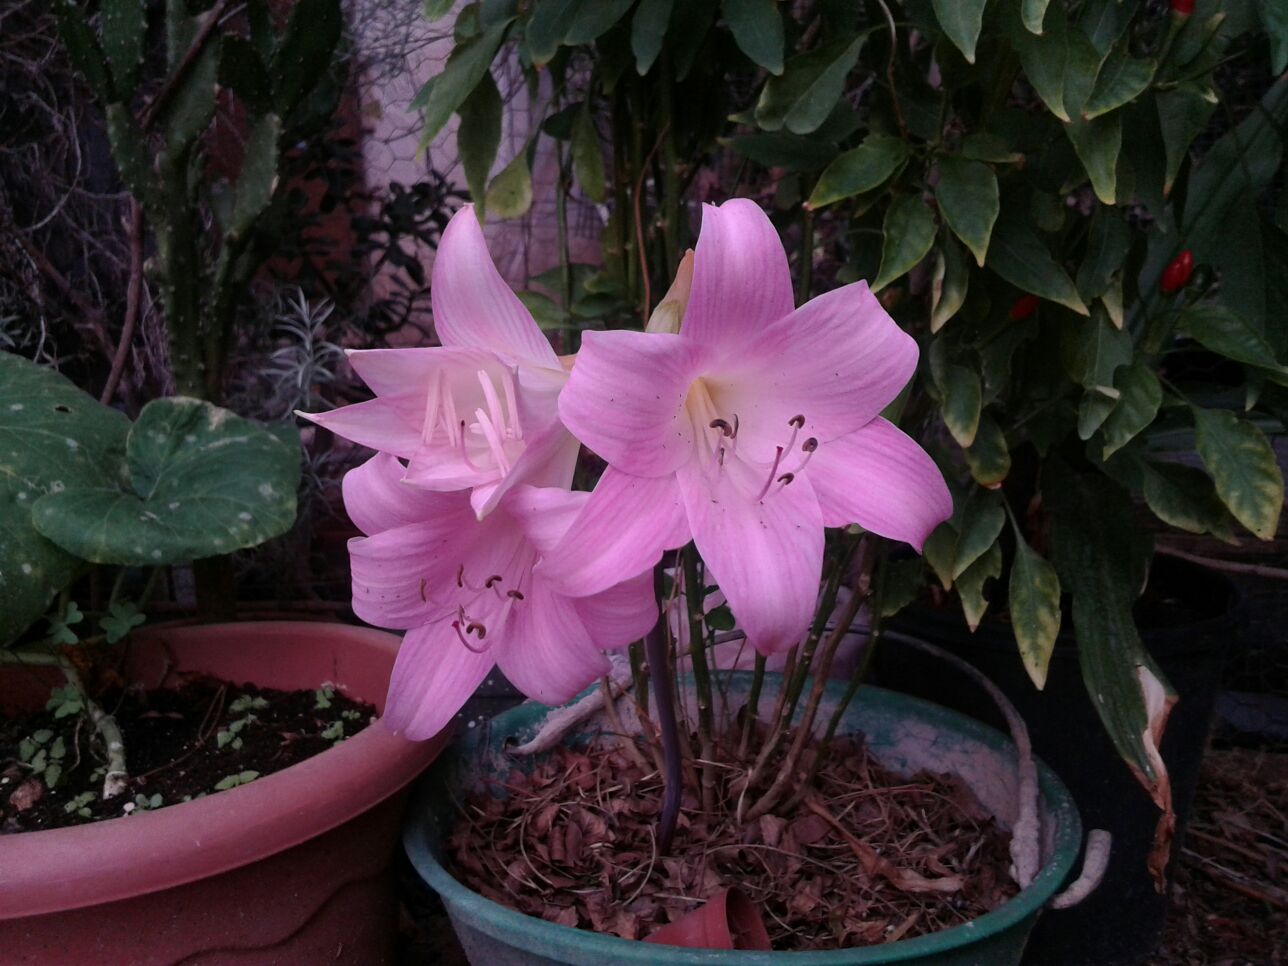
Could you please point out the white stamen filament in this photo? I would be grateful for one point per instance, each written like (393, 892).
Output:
(489, 431)
(507, 384)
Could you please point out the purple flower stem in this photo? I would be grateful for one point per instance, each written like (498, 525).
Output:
(664, 700)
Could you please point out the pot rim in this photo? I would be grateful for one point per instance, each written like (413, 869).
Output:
(504, 924)
(46, 871)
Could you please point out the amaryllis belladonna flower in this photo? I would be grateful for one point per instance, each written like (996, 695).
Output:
(465, 591)
(480, 412)
(748, 431)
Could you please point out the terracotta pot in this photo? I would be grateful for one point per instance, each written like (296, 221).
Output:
(727, 920)
(290, 868)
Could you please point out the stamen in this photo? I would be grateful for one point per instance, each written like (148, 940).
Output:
(773, 470)
(786, 478)
(797, 421)
(465, 456)
(809, 448)
(494, 411)
(460, 576)
(516, 594)
(493, 440)
(455, 432)
(491, 580)
(456, 626)
(810, 445)
(723, 426)
(477, 629)
(507, 383)
(735, 425)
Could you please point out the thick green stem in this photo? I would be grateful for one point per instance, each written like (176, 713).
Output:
(752, 710)
(561, 225)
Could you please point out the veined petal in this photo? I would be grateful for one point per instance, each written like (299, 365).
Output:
(741, 282)
(838, 361)
(405, 374)
(621, 614)
(374, 423)
(765, 554)
(472, 304)
(544, 513)
(549, 460)
(625, 399)
(880, 479)
(626, 524)
(547, 653)
(434, 675)
(377, 499)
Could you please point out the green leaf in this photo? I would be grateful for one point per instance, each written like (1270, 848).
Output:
(1230, 335)
(908, 233)
(242, 71)
(1183, 112)
(967, 196)
(1044, 58)
(1104, 21)
(306, 51)
(940, 551)
(1098, 143)
(258, 178)
(1242, 464)
(970, 584)
(779, 149)
(1032, 12)
(803, 96)
(1141, 395)
(83, 49)
(122, 617)
(52, 437)
(202, 482)
(648, 30)
(982, 520)
(1103, 351)
(758, 30)
(437, 9)
(1274, 17)
(478, 138)
(1108, 242)
(901, 583)
(961, 21)
(988, 457)
(124, 24)
(587, 161)
(1122, 78)
(1184, 497)
(961, 403)
(1017, 255)
(862, 169)
(510, 193)
(1034, 595)
(1101, 560)
(948, 284)
(460, 75)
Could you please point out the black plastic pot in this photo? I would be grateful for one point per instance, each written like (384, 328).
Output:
(1187, 619)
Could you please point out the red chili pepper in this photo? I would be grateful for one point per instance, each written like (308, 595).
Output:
(1023, 307)
(1177, 273)
(1182, 8)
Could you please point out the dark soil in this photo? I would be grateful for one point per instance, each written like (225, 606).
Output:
(181, 743)
(870, 857)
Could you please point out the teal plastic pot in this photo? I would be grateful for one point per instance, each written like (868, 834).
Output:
(905, 734)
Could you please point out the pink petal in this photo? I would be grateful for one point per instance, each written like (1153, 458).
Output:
(544, 513)
(741, 282)
(404, 374)
(838, 361)
(407, 576)
(472, 304)
(625, 399)
(620, 614)
(433, 677)
(547, 653)
(375, 423)
(880, 479)
(765, 554)
(377, 499)
(549, 460)
(627, 523)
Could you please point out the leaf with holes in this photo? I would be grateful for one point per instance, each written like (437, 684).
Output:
(53, 437)
(202, 481)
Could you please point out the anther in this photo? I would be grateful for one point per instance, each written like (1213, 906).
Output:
(477, 629)
(723, 426)
(809, 445)
(422, 591)
(456, 626)
(797, 421)
(786, 478)
(491, 580)
(516, 594)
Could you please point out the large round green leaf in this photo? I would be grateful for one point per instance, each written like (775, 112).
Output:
(53, 437)
(202, 481)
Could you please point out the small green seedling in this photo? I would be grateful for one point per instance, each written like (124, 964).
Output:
(43, 754)
(232, 781)
(80, 804)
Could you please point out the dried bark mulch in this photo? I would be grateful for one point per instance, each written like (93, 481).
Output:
(1230, 891)
(869, 857)
(181, 743)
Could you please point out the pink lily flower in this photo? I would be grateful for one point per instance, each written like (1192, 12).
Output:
(748, 431)
(480, 412)
(465, 591)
